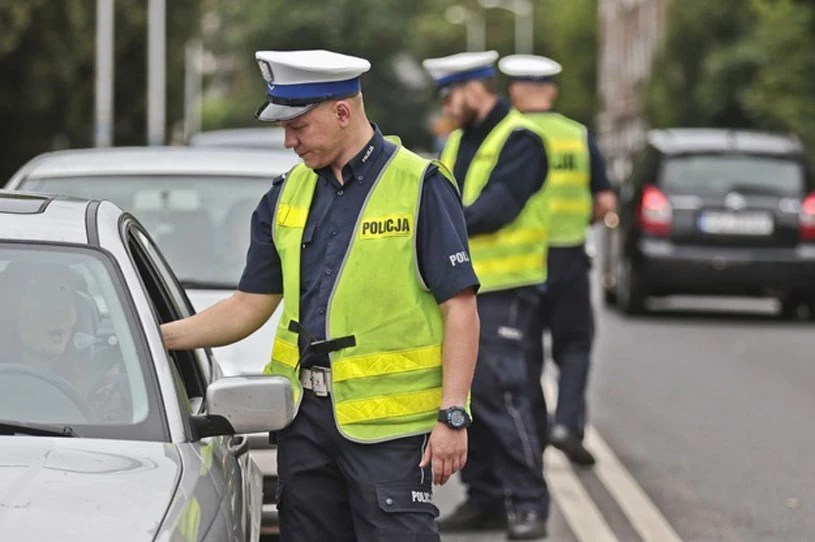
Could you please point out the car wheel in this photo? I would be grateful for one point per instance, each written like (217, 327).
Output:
(631, 294)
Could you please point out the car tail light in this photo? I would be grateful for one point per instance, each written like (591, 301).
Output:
(654, 213)
(806, 221)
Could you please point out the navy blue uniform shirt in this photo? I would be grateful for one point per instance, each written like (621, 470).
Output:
(440, 232)
(599, 176)
(519, 173)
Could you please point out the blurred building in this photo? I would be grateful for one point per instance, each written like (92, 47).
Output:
(630, 32)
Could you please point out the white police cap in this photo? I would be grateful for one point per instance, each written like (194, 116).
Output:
(296, 81)
(461, 67)
(529, 67)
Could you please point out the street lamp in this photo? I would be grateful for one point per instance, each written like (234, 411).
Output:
(476, 40)
(524, 21)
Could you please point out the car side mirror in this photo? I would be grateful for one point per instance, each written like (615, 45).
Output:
(246, 404)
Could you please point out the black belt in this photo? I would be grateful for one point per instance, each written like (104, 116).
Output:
(321, 346)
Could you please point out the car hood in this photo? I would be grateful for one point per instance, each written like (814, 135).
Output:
(72, 489)
(248, 356)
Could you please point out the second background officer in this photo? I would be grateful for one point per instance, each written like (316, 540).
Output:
(579, 193)
(499, 161)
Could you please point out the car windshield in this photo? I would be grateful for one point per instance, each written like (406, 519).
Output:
(725, 173)
(201, 224)
(69, 356)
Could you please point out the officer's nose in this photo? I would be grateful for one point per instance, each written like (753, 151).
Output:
(291, 139)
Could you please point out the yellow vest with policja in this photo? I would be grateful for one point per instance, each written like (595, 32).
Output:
(515, 255)
(569, 179)
(389, 384)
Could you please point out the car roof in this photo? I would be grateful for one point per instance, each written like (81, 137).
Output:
(160, 161)
(702, 140)
(26, 216)
(254, 138)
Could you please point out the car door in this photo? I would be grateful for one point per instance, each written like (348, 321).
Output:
(228, 480)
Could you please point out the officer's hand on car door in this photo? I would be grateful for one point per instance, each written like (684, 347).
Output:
(446, 451)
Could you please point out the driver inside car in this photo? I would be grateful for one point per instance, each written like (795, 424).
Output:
(51, 315)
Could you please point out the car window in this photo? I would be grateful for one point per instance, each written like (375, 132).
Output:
(201, 224)
(725, 173)
(69, 351)
(165, 307)
(175, 292)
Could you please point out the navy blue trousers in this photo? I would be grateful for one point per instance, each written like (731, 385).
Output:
(333, 489)
(566, 311)
(505, 465)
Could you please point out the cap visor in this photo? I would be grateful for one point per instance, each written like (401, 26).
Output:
(270, 112)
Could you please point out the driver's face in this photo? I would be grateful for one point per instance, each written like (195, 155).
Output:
(47, 315)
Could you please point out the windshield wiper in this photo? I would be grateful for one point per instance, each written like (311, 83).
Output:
(36, 429)
(193, 284)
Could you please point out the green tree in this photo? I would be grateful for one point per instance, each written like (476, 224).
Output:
(705, 64)
(47, 67)
(782, 95)
(395, 36)
(374, 29)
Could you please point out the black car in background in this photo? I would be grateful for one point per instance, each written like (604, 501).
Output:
(714, 212)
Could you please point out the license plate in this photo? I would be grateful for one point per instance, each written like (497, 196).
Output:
(724, 223)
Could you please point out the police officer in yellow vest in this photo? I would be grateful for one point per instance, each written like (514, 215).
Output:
(499, 160)
(365, 243)
(579, 193)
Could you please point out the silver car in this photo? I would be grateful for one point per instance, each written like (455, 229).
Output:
(104, 434)
(270, 137)
(196, 203)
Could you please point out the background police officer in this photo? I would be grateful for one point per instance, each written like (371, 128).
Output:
(579, 193)
(367, 309)
(499, 161)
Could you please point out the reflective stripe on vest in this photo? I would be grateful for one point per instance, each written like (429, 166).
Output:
(388, 385)
(515, 255)
(569, 178)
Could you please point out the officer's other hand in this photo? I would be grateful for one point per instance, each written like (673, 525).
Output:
(446, 451)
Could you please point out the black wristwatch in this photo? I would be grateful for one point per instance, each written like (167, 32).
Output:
(455, 417)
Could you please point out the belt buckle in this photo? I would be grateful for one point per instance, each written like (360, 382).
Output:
(320, 381)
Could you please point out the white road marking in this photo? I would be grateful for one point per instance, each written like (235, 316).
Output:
(582, 515)
(640, 510)
(645, 518)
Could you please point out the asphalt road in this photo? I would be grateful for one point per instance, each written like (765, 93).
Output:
(708, 404)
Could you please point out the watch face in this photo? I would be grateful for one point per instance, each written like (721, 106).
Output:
(457, 418)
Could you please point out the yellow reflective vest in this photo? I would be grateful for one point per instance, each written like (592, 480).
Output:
(569, 180)
(389, 384)
(515, 255)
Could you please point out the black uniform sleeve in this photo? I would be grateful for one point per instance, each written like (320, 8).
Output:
(519, 173)
(263, 273)
(599, 176)
(441, 239)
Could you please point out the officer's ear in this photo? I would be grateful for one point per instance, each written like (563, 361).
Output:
(342, 112)
(552, 91)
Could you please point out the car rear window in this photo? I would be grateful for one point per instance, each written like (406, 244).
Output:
(724, 173)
